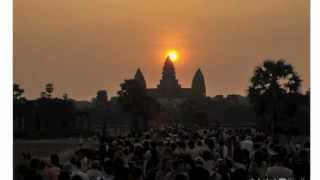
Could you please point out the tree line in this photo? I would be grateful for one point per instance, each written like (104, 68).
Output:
(274, 91)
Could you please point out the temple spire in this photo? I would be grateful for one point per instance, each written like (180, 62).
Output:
(198, 83)
(140, 78)
(169, 85)
(168, 69)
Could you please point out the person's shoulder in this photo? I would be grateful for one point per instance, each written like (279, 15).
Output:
(269, 169)
(288, 170)
(284, 171)
(82, 174)
(55, 169)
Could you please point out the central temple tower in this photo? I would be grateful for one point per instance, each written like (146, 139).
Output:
(169, 85)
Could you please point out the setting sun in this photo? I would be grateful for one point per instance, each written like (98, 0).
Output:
(173, 55)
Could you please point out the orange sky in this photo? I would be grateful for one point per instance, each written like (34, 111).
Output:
(82, 46)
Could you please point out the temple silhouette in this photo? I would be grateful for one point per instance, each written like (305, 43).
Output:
(169, 87)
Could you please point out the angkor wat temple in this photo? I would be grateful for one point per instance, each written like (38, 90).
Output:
(169, 86)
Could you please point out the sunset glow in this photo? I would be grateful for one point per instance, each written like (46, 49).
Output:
(173, 55)
(106, 40)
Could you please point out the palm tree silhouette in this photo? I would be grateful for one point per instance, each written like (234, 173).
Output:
(49, 89)
(270, 83)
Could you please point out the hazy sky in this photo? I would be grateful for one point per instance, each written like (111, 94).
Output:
(82, 46)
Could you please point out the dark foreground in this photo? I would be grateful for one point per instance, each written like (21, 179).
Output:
(167, 154)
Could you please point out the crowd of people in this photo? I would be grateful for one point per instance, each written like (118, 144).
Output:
(177, 153)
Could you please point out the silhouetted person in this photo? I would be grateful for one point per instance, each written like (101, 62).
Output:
(54, 159)
(33, 173)
(76, 177)
(278, 170)
(64, 175)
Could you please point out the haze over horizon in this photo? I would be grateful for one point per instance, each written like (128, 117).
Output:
(84, 46)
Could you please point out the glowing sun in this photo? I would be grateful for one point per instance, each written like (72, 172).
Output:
(173, 55)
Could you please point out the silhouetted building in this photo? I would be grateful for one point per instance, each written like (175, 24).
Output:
(102, 97)
(43, 118)
(111, 116)
(218, 98)
(169, 87)
(237, 99)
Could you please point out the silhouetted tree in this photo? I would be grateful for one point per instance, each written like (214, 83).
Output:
(271, 82)
(17, 92)
(308, 97)
(65, 96)
(131, 96)
(19, 109)
(49, 89)
(134, 98)
(43, 95)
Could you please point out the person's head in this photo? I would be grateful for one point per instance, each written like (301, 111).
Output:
(307, 145)
(121, 173)
(198, 173)
(138, 150)
(35, 164)
(191, 144)
(179, 165)
(75, 162)
(237, 157)
(222, 166)
(26, 156)
(181, 177)
(67, 168)
(54, 159)
(277, 159)
(239, 174)
(135, 173)
(207, 155)
(76, 177)
(211, 144)
(199, 143)
(258, 157)
(42, 164)
(245, 156)
(95, 165)
(107, 166)
(165, 164)
(64, 175)
(199, 161)
(173, 146)
(181, 145)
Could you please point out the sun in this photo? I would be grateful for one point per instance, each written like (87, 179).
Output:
(173, 55)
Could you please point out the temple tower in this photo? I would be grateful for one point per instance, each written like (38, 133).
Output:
(198, 84)
(140, 78)
(169, 85)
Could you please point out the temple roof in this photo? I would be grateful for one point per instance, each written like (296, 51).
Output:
(140, 78)
(198, 83)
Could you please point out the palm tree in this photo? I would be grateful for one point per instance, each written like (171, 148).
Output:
(270, 83)
(49, 89)
(17, 92)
